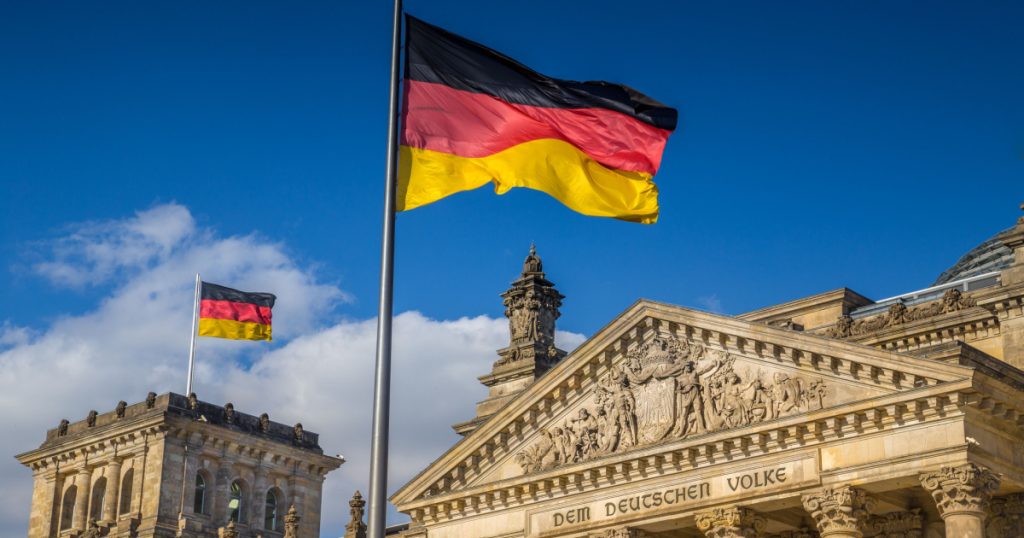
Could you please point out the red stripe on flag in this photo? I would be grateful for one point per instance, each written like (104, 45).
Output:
(457, 122)
(245, 312)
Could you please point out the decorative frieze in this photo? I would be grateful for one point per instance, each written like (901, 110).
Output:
(731, 522)
(841, 511)
(903, 524)
(952, 301)
(670, 388)
(966, 488)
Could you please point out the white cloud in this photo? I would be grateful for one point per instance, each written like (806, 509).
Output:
(711, 303)
(136, 340)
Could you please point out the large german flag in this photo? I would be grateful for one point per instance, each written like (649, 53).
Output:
(472, 115)
(238, 315)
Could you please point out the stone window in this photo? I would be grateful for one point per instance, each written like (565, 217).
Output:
(199, 504)
(270, 516)
(235, 502)
(126, 492)
(99, 489)
(67, 508)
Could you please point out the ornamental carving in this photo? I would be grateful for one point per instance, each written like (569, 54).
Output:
(122, 406)
(62, 428)
(150, 400)
(264, 423)
(952, 301)
(1006, 517)
(229, 413)
(531, 306)
(355, 527)
(90, 419)
(909, 524)
(669, 389)
(291, 523)
(967, 488)
(622, 532)
(839, 510)
(732, 522)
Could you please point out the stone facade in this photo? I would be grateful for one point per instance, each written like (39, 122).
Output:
(174, 466)
(829, 416)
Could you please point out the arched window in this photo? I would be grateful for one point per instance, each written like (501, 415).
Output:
(126, 492)
(67, 507)
(270, 519)
(99, 489)
(199, 504)
(235, 512)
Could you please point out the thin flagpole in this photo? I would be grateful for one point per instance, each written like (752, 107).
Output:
(192, 344)
(382, 375)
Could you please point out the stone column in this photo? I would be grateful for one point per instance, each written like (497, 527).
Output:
(83, 485)
(113, 474)
(962, 495)
(839, 512)
(731, 522)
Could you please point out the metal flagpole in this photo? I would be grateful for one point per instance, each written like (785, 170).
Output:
(382, 374)
(195, 329)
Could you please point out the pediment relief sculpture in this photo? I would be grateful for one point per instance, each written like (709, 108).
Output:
(952, 301)
(670, 389)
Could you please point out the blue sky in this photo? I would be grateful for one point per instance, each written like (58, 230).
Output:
(864, 144)
(822, 144)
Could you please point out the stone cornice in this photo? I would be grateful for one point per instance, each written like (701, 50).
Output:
(839, 297)
(126, 440)
(247, 449)
(574, 375)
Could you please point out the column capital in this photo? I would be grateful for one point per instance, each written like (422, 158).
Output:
(622, 532)
(731, 522)
(962, 489)
(839, 511)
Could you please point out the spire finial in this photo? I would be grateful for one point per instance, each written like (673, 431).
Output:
(532, 264)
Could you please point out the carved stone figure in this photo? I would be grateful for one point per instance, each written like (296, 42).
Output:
(355, 527)
(228, 531)
(291, 523)
(90, 419)
(297, 433)
(150, 400)
(229, 413)
(120, 409)
(193, 402)
(952, 300)
(668, 388)
(264, 424)
(62, 428)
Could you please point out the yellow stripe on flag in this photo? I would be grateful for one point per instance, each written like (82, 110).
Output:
(234, 330)
(548, 165)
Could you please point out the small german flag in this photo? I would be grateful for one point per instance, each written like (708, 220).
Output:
(238, 315)
(474, 116)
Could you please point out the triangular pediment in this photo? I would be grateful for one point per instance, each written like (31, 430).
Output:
(661, 375)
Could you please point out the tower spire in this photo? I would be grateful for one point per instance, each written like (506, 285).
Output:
(532, 306)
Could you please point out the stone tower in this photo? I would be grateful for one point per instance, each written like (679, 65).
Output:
(173, 466)
(531, 306)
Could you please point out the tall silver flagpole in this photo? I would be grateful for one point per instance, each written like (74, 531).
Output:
(195, 329)
(382, 376)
